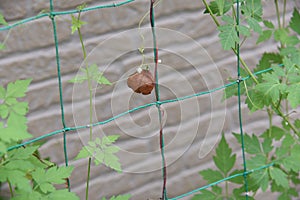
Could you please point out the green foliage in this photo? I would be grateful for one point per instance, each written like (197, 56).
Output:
(274, 90)
(13, 126)
(28, 176)
(224, 160)
(2, 20)
(91, 73)
(76, 24)
(219, 7)
(295, 21)
(102, 151)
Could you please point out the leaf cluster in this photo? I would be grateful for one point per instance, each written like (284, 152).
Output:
(28, 176)
(13, 123)
(282, 176)
(102, 151)
(235, 24)
(91, 73)
(224, 161)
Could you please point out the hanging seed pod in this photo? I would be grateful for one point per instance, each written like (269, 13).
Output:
(141, 82)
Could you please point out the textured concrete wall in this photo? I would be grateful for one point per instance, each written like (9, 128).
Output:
(191, 61)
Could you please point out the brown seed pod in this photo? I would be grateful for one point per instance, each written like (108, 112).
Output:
(141, 82)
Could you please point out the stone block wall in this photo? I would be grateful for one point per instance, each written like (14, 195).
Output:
(192, 61)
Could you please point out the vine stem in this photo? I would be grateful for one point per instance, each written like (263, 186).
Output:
(90, 107)
(160, 112)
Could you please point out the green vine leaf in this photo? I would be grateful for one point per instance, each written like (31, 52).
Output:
(279, 177)
(76, 24)
(211, 175)
(254, 25)
(252, 8)
(219, 7)
(103, 151)
(92, 72)
(267, 60)
(61, 194)
(2, 20)
(205, 195)
(224, 159)
(46, 178)
(292, 162)
(17, 89)
(259, 179)
(295, 21)
(251, 144)
(228, 35)
(271, 88)
(15, 177)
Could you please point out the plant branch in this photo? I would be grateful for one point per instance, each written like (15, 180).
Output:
(160, 112)
(90, 107)
(277, 13)
(211, 13)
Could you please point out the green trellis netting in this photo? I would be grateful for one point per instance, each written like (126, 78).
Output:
(52, 14)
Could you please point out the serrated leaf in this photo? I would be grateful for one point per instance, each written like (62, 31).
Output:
(293, 95)
(295, 21)
(259, 179)
(54, 175)
(244, 30)
(2, 92)
(292, 162)
(254, 25)
(281, 35)
(238, 179)
(267, 145)
(264, 36)
(15, 177)
(16, 128)
(109, 139)
(103, 80)
(271, 88)
(267, 60)
(268, 24)
(252, 8)
(2, 20)
(112, 161)
(254, 100)
(76, 23)
(61, 194)
(84, 153)
(102, 151)
(256, 161)
(228, 36)
(279, 177)
(205, 195)
(251, 144)
(22, 153)
(4, 111)
(219, 7)
(18, 88)
(32, 195)
(20, 108)
(223, 158)
(78, 79)
(274, 132)
(211, 175)
(81, 7)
